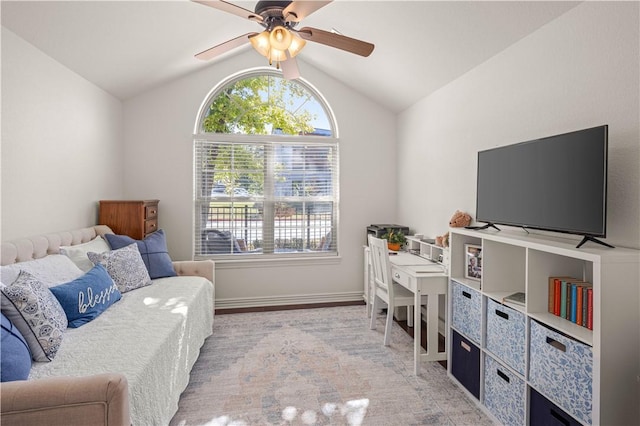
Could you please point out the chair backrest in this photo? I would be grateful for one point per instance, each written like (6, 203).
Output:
(381, 266)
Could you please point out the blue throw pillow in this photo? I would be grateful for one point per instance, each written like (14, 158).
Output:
(15, 357)
(84, 298)
(153, 250)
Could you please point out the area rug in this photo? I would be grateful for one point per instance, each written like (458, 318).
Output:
(319, 366)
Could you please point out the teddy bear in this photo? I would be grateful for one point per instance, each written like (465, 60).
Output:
(460, 219)
(443, 240)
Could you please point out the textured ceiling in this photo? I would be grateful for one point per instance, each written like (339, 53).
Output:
(128, 47)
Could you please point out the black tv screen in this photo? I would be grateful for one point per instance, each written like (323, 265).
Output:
(557, 183)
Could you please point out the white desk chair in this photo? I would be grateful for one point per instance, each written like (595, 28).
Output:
(384, 289)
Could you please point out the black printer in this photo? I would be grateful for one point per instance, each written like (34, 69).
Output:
(378, 230)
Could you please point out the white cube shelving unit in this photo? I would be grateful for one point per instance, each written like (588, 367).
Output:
(514, 261)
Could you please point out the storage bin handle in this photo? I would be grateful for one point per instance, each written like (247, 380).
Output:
(466, 294)
(556, 344)
(503, 376)
(502, 314)
(559, 417)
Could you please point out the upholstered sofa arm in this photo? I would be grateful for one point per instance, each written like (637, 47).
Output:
(102, 399)
(196, 268)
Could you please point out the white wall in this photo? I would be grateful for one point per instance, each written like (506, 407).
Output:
(158, 164)
(580, 70)
(61, 144)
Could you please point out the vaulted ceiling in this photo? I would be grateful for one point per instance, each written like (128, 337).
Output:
(128, 47)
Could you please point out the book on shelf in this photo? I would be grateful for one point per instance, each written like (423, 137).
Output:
(563, 299)
(579, 289)
(556, 290)
(578, 300)
(590, 309)
(518, 298)
(573, 302)
(569, 299)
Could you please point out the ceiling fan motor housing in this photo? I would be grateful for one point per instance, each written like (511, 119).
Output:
(271, 11)
(266, 8)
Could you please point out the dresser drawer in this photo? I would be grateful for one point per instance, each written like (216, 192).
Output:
(467, 311)
(506, 334)
(151, 211)
(150, 226)
(561, 368)
(504, 393)
(400, 277)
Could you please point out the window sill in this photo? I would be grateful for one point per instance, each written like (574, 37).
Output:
(276, 262)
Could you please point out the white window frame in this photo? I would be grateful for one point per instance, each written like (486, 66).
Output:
(256, 259)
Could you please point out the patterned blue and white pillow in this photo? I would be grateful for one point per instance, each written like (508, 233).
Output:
(33, 309)
(125, 266)
(84, 298)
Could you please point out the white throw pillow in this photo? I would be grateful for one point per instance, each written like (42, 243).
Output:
(50, 270)
(78, 253)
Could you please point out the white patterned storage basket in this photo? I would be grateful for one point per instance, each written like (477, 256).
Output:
(506, 334)
(504, 393)
(467, 311)
(562, 369)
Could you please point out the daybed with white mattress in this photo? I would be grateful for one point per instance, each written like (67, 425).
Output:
(145, 345)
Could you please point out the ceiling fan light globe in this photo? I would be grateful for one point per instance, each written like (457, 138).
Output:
(280, 38)
(297, 43)
(260, 43)
(277, 55)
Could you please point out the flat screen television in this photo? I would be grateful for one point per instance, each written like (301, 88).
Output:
(556, 183)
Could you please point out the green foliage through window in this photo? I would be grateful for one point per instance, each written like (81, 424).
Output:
(261, 105)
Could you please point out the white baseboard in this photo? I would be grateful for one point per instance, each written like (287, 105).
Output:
(297, 299)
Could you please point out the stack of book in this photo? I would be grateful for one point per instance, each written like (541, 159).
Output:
(571, 299)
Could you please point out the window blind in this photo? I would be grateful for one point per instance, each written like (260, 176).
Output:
(265, 196)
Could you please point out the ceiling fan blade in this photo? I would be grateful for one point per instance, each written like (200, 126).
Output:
(231, 8)
(339, 41)
(289, 68)
(298, 10)
(224, 47)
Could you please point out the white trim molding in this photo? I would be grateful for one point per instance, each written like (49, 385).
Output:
(296, 299)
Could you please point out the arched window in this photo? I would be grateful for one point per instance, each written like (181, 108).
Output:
(266, 170)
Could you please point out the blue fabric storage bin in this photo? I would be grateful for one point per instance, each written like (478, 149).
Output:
(506, 334)
(562, 369)
(545, 413)
(467, 311)
(465, 363)
(504, 393)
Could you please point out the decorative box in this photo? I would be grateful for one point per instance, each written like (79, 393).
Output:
(544, 412)
(561, 368)
(504, 393)
(506, 334)
(467, 311)
(465, 363)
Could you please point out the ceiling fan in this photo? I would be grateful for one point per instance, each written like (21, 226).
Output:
(280, 42)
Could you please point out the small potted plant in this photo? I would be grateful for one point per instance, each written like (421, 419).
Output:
(395, 240)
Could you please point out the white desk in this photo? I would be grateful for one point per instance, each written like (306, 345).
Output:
(421, 277)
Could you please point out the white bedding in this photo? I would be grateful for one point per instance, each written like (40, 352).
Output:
(152, 335)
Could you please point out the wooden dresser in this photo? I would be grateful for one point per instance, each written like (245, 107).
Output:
(135, 218)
